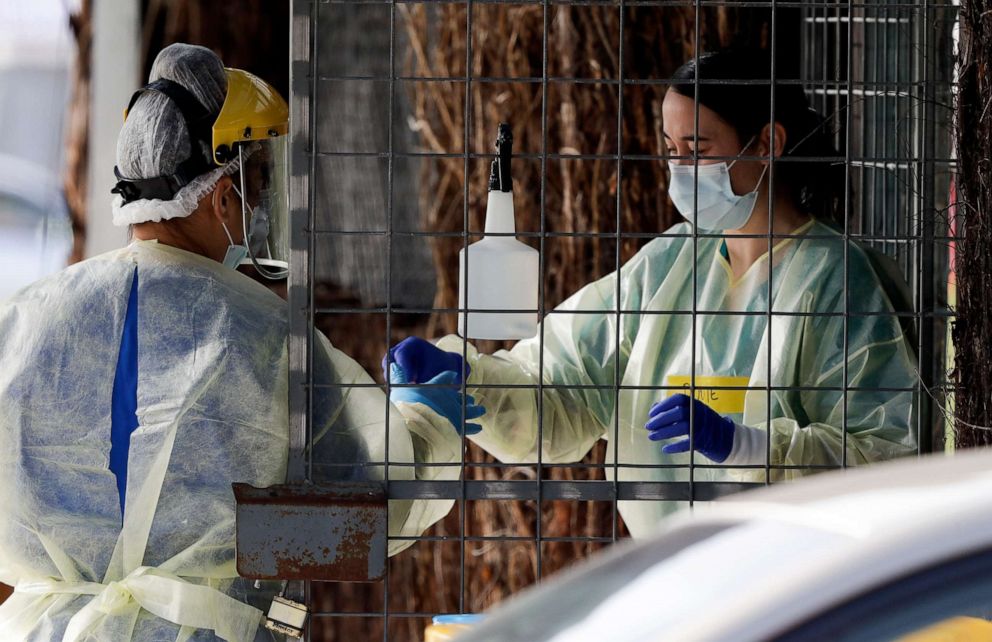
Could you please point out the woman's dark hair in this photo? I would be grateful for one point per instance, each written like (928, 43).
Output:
(816, 187)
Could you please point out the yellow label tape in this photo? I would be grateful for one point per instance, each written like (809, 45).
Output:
(709, 391)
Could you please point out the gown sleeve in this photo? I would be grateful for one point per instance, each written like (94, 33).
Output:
(350, 440)
(856, 397)
(580, 373)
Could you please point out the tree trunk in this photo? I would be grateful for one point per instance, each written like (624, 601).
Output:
(77, 139)
(972, 330)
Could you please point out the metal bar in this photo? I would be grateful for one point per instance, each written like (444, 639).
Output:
(896, 162)
(927, 356)
(308, 257)
(859, 19)
(865, 195)
(882, 106)
(846, 236)
(599, 490)
(763, 4)
(636, 312)
(902, 238)
(520, 386)
(503, 538)
(545, 16)
(465, 243)
(869, 93)
(770, 247)
(695, 248)
(300, 170)
(902, 218)
(831, 86)
(578, 466)
(390, 164)
(618, 249)
(824, 56)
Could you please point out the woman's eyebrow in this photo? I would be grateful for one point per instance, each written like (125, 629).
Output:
(689, 138)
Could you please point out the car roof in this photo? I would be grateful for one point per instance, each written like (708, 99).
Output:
(770, 558)
(903, 473)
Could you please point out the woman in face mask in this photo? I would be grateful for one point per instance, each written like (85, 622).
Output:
(732, 322)
(720, 161)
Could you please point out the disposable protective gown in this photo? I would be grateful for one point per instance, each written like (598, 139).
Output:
(733, 347)
(212, 409)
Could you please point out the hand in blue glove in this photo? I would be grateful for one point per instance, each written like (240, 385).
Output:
(713, 436)
(422, 360)
(445, 401)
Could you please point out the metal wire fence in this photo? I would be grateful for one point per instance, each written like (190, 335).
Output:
(394, 106)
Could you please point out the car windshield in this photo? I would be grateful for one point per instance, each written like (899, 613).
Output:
(692, 566)
(545, 612)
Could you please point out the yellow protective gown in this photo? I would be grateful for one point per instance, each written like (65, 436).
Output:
(804, 345)
(212, 410)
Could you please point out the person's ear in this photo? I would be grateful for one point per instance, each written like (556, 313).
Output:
(221, 200)
(765, 141)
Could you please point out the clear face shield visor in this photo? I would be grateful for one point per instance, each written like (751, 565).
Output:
(262, 184)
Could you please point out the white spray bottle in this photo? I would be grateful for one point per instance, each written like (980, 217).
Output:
(502, 272)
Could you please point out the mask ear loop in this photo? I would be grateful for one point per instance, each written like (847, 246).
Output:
(271, 275)
(743, 149)
(764, 169)
(230, 239)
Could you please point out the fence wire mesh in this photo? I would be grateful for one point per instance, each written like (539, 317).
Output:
(394, 109)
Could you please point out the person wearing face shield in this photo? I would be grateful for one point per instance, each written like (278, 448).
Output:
(139, 385)
(796, 389)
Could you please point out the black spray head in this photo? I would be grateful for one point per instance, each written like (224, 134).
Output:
(499, 175)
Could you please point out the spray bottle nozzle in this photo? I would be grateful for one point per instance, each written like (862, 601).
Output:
(499, 175)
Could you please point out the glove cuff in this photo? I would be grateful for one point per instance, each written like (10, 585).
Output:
(750, 446)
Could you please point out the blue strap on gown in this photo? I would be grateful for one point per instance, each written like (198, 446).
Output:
(124, 404)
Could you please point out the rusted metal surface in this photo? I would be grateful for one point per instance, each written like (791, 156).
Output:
(312, 532)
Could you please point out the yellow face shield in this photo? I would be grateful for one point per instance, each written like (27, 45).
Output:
(253, 111)
(252, 127)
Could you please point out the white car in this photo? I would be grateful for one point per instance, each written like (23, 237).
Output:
(875, 553)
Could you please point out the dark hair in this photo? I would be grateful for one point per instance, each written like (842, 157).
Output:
(816, 187)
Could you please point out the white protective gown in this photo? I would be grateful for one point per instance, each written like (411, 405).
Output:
(804, 345)
(212, 409)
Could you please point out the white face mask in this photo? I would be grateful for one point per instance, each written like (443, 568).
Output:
(717, 208)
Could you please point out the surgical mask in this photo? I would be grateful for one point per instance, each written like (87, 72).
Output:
(258, 233)
(258, 227)
(235, 253)
(717, 208)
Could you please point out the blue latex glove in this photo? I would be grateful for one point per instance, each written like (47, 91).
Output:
(446, 402)
(714, 434)
(422, 360)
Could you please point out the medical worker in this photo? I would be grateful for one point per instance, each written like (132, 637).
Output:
(788, 339)
(138, 385)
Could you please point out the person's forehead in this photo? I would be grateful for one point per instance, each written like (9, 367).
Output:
(679, 115)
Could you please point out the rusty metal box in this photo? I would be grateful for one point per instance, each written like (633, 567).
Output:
(331, 532)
